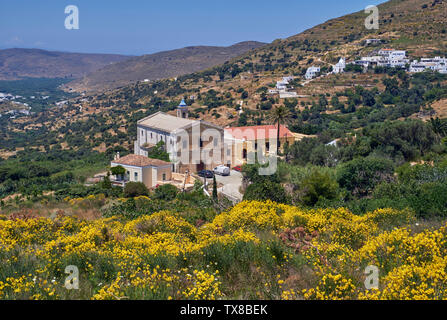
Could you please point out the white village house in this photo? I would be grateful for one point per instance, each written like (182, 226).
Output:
(385, 58)
(312, 72)
(435, 64)
(393, 58)
(340, 66)
(283, 90)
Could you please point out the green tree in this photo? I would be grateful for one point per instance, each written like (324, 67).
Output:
(361, 175)
(118, 171)
(135, 189)
(318, 185)
(158, 152)
(166, 192)
(266, 190)
(439, 126)
(106, 183)
(368, 98)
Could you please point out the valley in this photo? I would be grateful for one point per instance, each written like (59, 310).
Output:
(353, 122)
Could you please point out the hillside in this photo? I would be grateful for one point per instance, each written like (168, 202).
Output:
(418, 26)
(20, 63)
(166, 64)
(329, 106)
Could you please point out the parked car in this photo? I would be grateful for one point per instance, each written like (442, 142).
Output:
(237, 168)
(222, 170)
(206, 174)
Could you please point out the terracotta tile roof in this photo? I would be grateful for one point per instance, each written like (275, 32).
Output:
(140, 161)
(262, 131)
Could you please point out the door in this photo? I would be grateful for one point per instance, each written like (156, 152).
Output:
(200, 166)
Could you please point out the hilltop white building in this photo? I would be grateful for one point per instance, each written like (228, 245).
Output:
(282, 88)
(393, 58)
(282, 84)
(435, 64)
(340, 66)
(312, 72)
(393, 54)
(385, 58)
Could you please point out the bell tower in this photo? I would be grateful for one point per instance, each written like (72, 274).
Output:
(182, 110)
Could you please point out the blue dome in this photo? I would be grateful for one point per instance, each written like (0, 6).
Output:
(183, 104)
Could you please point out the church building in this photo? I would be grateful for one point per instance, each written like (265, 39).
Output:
(181, 136)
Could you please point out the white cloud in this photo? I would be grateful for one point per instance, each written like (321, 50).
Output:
(14, 41)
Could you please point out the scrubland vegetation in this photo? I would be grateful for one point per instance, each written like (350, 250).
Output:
(256, 250)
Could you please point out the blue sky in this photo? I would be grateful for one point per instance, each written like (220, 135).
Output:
(146, 26)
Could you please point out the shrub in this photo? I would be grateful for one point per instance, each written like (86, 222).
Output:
(266, 190)
(135, 189)
(166, 192)
(361, 175)
(318, 185)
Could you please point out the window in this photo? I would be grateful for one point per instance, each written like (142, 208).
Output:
(142, 132)
(267, 146)
(151, 135)
(136, 176)
(164, 176)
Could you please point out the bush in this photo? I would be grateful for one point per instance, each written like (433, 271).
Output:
(135, 189)
(166, 192)
(318, 185)
(266, 190)
(361, 175)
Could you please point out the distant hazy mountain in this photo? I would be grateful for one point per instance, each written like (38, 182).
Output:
(35, 63)
(160, 65)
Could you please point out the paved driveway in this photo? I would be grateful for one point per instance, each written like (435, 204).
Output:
(231, 184)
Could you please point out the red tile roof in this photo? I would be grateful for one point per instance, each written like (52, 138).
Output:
(140, 161)
(259, 132)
